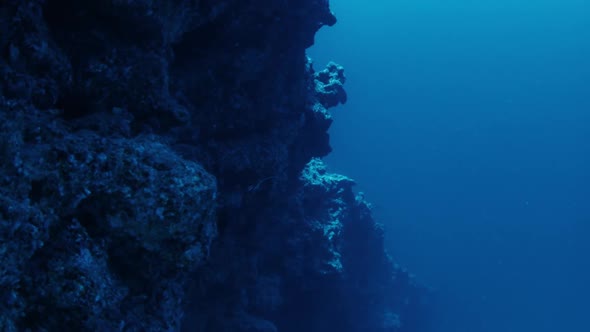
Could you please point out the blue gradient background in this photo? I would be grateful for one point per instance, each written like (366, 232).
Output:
(468, 126)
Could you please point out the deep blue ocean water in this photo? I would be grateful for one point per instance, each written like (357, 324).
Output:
(468, 127)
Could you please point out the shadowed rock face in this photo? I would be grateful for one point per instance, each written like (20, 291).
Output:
(158, 172)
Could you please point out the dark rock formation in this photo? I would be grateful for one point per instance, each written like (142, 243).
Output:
(158, 172)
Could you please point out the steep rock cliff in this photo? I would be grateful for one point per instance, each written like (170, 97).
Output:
(159, 172)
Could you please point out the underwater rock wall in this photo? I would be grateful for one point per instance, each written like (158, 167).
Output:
(159, 171)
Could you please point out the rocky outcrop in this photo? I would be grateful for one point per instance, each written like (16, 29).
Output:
(159, 172)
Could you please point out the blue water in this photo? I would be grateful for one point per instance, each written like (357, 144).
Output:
(468, 126)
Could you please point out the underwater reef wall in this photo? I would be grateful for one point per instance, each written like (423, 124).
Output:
(159, 171)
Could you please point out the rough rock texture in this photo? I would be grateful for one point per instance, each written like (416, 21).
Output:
(159, 172)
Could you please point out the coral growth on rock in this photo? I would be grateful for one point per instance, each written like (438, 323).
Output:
(159, 172)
